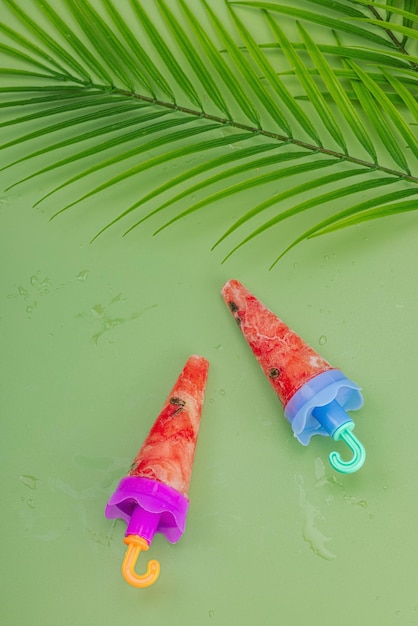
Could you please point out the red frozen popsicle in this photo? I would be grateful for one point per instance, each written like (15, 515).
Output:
(168, 451)
(314, 394)
(153, 497)
(287, 361)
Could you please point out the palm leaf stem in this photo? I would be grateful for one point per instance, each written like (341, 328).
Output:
(391, 34)
(271, 135)
(255, 130)
(233, 124)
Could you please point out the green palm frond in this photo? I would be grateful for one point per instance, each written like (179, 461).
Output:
(254, 94)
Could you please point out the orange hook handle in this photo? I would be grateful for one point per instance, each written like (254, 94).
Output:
(135, 544)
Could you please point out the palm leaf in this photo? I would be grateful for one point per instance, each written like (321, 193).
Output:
(373, 208)
(75, 42)
(220, 66)
(165, 139)
(148, 67)
(322, 181)
(394, 115)
(30, 47)
(272, 76)
(99, 76)
(192, 55)
(407, 98)
(48, 41)
(256, 181)
(91, 134)
(337, 92)
(308, 84)
(330, 196)
(167, 57)
(316, 18)
(216, 162)
(387, 210)
(364, 54)
(372, 110)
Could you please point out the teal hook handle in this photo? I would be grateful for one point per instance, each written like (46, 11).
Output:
(359, 453)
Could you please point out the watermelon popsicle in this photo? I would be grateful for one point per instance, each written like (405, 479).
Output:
(153, 497)
(314, 394)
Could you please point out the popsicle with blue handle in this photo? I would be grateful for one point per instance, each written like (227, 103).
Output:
(315, 395)
(153, 497)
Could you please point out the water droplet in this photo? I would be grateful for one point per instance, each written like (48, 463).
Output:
(117, 298)
(29, 481)
(350, 499)
(82, 276)
(320, 470)
(219, 347)
(211, 613)
(295, 264)
(113, 322)
(385, 486)
(362, 503)
(326, 257)
(211, 400)
(398, 612)
(33, 279)
(322, 340)
(23, 292)
(29, 309)
(222, 392)
(46, 282)
(312, 535)
(371, 516)
(97, 310)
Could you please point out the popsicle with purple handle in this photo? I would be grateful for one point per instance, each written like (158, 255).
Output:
(153, 497)
(314, 394)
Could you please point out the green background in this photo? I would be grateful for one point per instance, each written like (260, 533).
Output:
(92, 340)
(93, 337)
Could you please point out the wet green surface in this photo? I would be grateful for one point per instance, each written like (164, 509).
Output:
(92, 339)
